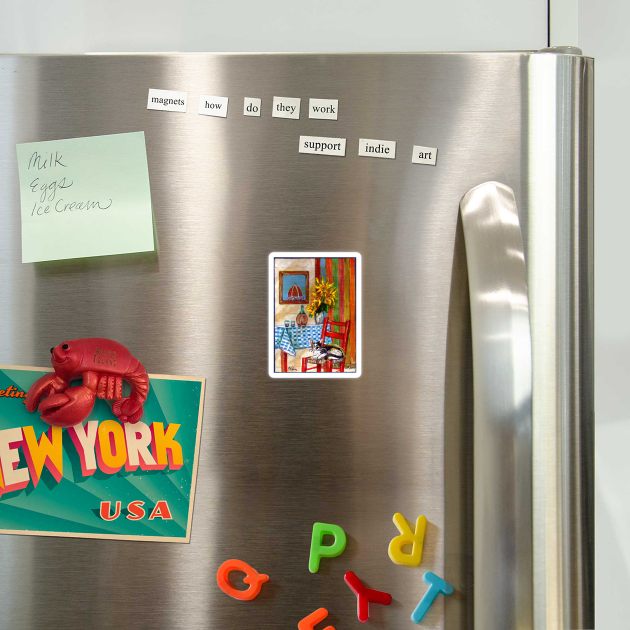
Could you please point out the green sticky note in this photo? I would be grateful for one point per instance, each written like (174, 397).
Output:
(85, 197)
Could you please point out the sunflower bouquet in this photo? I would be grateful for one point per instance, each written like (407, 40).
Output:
(323, 296)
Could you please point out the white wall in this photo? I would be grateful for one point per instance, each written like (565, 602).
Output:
(270, 25)
(604, 27)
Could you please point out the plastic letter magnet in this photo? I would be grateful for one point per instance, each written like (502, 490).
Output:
(308, 623)
(252, 577)
(319, 551)
(407, 537)
(436, 586)
(365, 596)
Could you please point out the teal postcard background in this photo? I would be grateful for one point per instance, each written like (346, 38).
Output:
(72, 505)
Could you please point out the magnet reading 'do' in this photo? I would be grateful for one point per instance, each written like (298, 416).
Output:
(102, 364)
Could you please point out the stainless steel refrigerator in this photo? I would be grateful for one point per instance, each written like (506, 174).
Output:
(474, 406)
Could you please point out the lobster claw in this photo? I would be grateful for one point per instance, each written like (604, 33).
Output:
(68, 408)
(43, 386)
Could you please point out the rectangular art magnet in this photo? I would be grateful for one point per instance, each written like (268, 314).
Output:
(314, 314)
(101, 478)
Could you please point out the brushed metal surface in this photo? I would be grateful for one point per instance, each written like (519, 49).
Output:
(502, 368)
(276, 455)
(560, 276)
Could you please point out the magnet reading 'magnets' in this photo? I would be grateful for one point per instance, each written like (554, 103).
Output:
(103, 364)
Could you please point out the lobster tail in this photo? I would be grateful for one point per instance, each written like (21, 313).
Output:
(139, 381)
(130, 409)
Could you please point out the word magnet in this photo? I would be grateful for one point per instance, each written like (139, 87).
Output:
(322, 146)
(285, 107)
(424, 155)
(167, 100)
(377, 148)
(213, 106)
(323, 108)
(251, 106)
(407, 537)
(319, 550)
(252, 577)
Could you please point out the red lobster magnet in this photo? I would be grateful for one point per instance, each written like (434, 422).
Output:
(103, 364)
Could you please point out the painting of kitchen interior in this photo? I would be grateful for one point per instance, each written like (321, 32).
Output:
(315, 325)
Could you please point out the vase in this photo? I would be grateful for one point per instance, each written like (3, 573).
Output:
(319, 318)
(302, 318)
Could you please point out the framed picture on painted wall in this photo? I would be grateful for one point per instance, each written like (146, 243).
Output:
(293, 287)
(315, 314)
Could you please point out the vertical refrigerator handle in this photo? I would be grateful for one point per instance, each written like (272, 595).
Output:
(502, 374)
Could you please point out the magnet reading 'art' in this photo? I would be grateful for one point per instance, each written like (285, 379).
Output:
(102, 364)
(252, 577)
(407, 537)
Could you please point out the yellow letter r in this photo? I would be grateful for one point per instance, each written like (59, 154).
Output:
(407, 537)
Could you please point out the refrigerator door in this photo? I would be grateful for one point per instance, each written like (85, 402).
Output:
(278, 455)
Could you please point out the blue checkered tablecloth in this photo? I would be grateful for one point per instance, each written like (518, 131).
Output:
(292, 339)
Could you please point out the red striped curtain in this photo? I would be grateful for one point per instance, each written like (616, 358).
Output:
(342, 272)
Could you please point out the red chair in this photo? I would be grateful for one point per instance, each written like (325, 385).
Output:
(343, 335)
